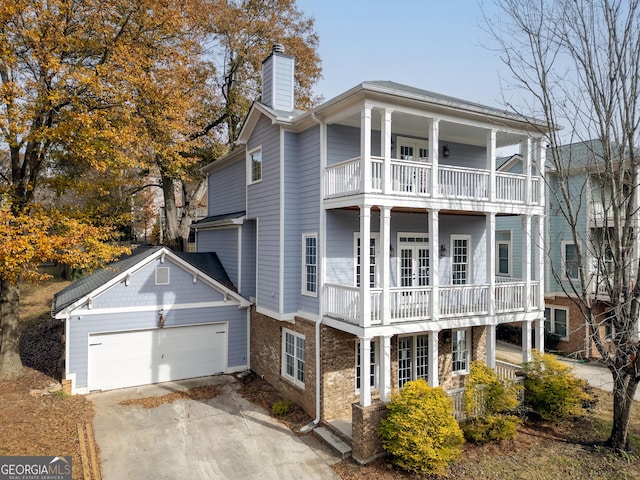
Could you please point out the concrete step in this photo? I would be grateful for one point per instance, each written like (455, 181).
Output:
(332, 440)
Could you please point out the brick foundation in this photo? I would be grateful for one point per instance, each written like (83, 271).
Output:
(366, 443)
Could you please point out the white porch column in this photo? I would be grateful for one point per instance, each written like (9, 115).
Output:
(365, 149)
(491, 346)
(491, 163)
(365, 240)
(539, 334)
(491, 260)
(526, 260)
(386, 151)
(434, 255)
(525, 152)
(434, 379)
(540, 259)
(433, 155)
(385, 267)
(541, 158)
(526, 341)
(385, 368)
(365, 371)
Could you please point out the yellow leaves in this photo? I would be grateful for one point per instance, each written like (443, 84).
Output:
(30, 238)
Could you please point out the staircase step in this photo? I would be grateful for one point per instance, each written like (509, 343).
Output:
(332, 440)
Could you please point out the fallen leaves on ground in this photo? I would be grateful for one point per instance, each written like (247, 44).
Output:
(204, 392)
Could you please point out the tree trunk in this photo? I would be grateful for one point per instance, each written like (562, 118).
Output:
(10, 363)
(173, 237)
(624, 389)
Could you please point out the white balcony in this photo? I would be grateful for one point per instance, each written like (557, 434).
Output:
(415, 304)
(410, 178)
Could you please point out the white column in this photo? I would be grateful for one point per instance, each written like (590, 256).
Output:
(540, 259)
(491, 260)
(491, 163)
(541, 157)
(365, 240)
(526, 260)
(491, 346)
(385, 367)
(365, 149)
(434, 379)
(434, 255)
(526, 341)
(433, 155)
(385, 267)
(525, 152)
(386, 151)
(365, 371)
(539, 333)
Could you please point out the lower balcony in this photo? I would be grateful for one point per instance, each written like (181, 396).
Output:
(413, 304)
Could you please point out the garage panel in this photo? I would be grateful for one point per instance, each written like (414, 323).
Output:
(127, 359)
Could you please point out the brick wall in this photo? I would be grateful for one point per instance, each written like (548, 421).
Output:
(266, 357)
(366, 443)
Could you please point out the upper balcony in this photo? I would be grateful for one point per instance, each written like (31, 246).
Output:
(415, 179)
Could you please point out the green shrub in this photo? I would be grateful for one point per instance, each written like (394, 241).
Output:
(491, 428)
(419, 431)
(487, 403)
(281, 407)
(551, 390)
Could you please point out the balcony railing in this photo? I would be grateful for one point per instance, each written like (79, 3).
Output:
(414, 179)
(415, 304)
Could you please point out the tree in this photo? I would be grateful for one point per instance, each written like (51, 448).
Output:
(578, 62)
(192, 106)
(65, 68)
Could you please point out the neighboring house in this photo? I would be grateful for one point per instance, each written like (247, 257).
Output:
(363, 231)
(151, 317)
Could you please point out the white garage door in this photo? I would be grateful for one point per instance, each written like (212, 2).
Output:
(127, 359)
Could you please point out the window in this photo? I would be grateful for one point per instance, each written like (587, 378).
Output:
(503, 259)
(373, 367)
(413, 358)
(372, 260)
(256, 165)
(293, 357)
(570, 261)
(460, 351)
(162, 275)
(310, 264)
(460, 259)
(608, 325)
(556, 321)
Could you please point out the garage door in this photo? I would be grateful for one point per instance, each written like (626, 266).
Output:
(127, 359)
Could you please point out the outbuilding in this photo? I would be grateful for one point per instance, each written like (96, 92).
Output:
(153, 316)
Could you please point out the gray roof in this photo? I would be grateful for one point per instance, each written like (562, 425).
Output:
(208, 263)
(219, 218)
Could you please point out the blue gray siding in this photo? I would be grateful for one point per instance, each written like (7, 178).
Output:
(277, 82)
(292, 194)
(223, 241)
(248, 260)
(227, 189)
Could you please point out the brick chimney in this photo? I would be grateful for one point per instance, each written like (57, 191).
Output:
(277, 80)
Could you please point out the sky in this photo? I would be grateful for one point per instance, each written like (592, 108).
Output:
(436, 45)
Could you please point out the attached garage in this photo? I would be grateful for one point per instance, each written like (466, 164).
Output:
(128, 359)
(154, 316)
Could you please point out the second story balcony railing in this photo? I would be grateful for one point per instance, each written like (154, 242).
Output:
(411, 178)
(415, 304)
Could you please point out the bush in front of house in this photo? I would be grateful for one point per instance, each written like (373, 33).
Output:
(551, 390)
(419, 431)
(281, 407)
(488, 406)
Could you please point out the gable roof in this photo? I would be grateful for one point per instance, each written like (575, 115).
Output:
(207, 264)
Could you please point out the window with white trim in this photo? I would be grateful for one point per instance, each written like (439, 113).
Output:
(310, 264)
(460, 254)
(556, 321)
(373, 365)
(293, 356)
(570, 263)
(255, 165)
(503, 258)
(373, 253)
(413, 358)
(460, 351)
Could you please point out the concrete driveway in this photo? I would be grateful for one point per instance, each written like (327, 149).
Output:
(226, 437)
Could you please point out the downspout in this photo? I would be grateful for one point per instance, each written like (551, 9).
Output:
(321, 235)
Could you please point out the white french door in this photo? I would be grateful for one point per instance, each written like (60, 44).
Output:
(414, 261)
